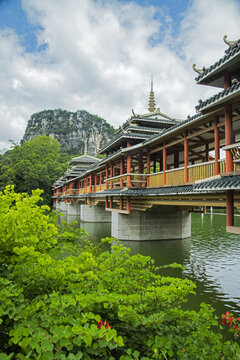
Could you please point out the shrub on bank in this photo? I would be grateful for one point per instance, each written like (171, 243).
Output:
(63, 298)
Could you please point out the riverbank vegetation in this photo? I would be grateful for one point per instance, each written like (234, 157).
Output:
(35, 164)
(63, 298)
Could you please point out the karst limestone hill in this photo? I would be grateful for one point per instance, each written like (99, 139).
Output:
(77, 132)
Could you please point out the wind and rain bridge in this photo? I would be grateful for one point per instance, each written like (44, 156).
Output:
(158, 169)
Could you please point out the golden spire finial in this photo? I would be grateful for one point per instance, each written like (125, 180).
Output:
(151, 102)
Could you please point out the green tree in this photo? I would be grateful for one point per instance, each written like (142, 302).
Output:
(66, 299)
(35, 164)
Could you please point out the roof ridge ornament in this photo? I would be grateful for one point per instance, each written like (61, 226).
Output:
(135, 115)
(229, 43)
(199, 71)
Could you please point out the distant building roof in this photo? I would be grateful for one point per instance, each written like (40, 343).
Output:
(83, 159)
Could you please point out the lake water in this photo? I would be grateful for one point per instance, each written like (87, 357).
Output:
(211, 258)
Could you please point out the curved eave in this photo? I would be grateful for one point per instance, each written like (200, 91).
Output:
(220, 98)
(213, 75)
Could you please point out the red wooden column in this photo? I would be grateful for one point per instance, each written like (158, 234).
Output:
(228, 136)
(106, 202)
(227, 80)
(111, 174)
(216, 146)
(164, 163)
(95, 182)
(148, 167)
(100, 180)
(229, 208)
(90, 182)
(128, 204)
(121, 170)
(128, 166)
(186, 179)
(106, 176)
(111, 202)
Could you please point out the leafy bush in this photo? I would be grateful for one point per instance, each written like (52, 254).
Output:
(63, 298)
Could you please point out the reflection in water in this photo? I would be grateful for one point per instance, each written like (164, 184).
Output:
(210, 257)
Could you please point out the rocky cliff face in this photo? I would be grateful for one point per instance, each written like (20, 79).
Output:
(76, 131)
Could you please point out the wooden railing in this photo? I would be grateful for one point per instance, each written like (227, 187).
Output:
(201, 171)
(72, 192)
(195, 172)
(175, 176)
(136, 180)
(84, 190)
(100, 187)
(156, 180)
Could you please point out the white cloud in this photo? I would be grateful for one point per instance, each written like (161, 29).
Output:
(100, 56)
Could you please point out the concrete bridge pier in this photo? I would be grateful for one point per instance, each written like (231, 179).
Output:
(159, 223)
(57, 205)
(73, 209)
(95, 213)
(63, 206)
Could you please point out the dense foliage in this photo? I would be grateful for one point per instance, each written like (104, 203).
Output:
(35, 164)
(62, 298)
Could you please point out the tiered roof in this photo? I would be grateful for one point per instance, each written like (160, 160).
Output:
(141, 127)
(81, 165)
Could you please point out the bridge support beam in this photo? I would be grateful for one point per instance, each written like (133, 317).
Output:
(160, 223)
(94, 213)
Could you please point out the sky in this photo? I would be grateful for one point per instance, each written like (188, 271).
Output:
(99, 56)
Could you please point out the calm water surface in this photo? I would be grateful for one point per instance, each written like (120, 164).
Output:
(211, 258)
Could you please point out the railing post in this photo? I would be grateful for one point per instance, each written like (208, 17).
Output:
(164, 163)
(216, 146)
(121, 170)
(229, 208)
(186, 179)
(228, 136)
(148, 167)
